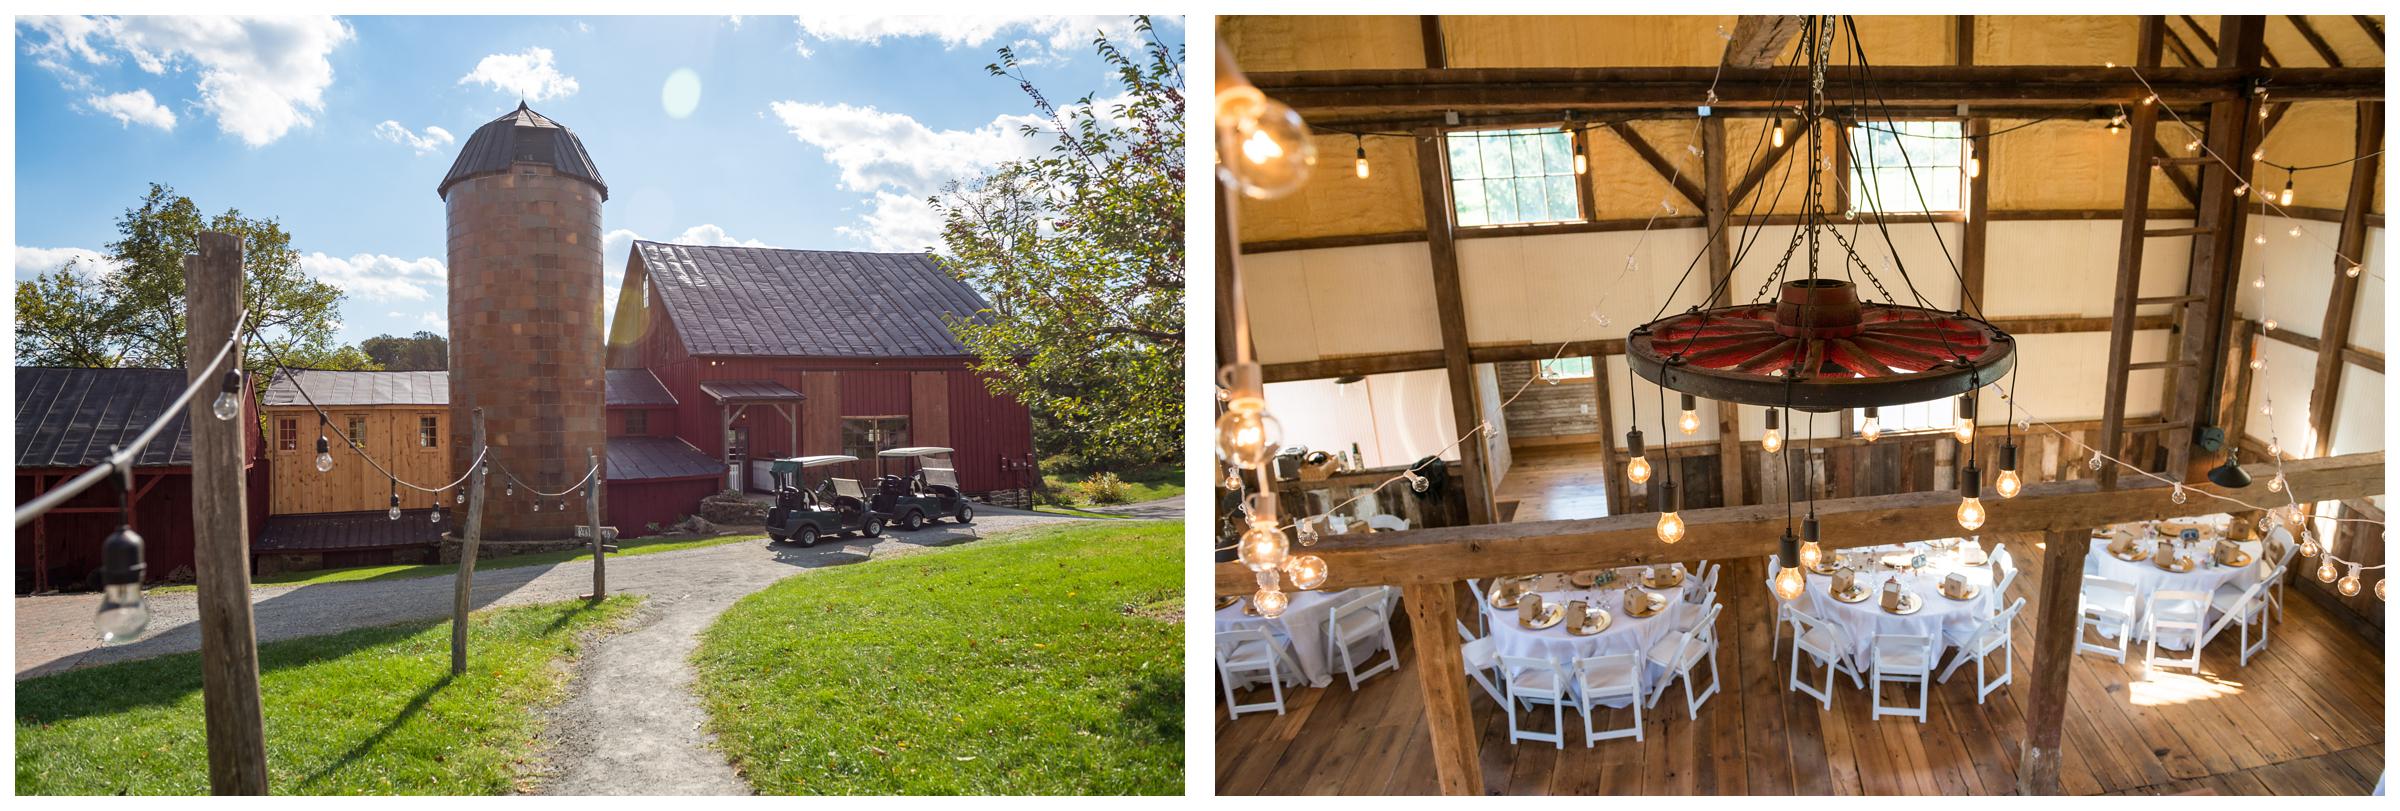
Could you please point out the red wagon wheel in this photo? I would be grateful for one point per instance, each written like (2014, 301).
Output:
(1818, 348)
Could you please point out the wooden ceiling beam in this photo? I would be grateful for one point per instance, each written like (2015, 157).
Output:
(2373, 28)
(1726, 533)
(1658, 162)
(1766, 163)
(1760, 39)
(1437, 55)
(2315, 42)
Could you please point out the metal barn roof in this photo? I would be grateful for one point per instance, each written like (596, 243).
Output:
(778, 302)
(521, 136)
(70, 417)
(342, 388)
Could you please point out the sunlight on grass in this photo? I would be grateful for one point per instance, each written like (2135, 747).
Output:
(1032, 665)
(371, 711)
(412, 571)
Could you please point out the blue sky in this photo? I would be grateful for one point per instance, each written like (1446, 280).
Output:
(807, 133)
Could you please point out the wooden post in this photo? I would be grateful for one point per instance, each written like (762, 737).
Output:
(2342, 304)
(1612, 476)
(1433, 175)
(2055, 631)
(237, 741)
(2216, 255)
(591, 504)
(1720, 275)
(468, 549)
(1442, 681)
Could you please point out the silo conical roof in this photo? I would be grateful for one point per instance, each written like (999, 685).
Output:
(522, 136)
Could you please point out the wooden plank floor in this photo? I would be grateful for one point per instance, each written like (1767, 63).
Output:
(2305, 717)
(1552, 482)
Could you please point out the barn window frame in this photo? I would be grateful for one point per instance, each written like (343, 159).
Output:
(355, 429)
(429, 432)
(1578, 367)
(637, 422)
(1936, 159)
(1470, 180)
(287, 434)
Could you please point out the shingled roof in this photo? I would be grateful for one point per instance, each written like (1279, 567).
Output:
(521, 136)
(342, 388)
(69, 417)
(777, 302)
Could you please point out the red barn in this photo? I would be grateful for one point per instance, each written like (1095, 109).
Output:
(769, 353)
(67, 421)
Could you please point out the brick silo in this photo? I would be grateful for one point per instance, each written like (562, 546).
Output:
(526, 332)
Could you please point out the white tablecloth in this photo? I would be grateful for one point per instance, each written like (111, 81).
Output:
(2147, 579)
(1625, 633)
(1864, 619)
(1302, 624)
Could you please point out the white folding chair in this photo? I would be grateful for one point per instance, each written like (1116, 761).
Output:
(1533, 682)
(1599, 678)
(1980, 642)
(2181, 614)
(1782, 611)
(1387, 522)
(2274, 578)
(2104, 605)
(1829, 645)
(2246, 606)
(1482, 622)
(1678, 653)
(1361, 622)
(1482, 657)
(1245, 654)
(2005, 566)
(1899, 659)
(1707, 575)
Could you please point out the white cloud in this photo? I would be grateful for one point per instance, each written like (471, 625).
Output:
(136, 107)
(901, 162)
(531, 75)
(35, 261)
(432, 139)
(434, 320)
(380, 277)
(259, 77)
(1033, 37)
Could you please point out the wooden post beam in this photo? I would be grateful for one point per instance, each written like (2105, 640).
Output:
(2350, 246)
(2372, 26)
(2055, 617)
(1612, 476)
(1726, 533)
(236, 729)
(470, 545)
(1433, 176)
(591, 506)
(1658, 162)
(2317, 43)
(1429, 27)
(1441, 681)
(1766, 162)
(1759, 39)
(1719, 210)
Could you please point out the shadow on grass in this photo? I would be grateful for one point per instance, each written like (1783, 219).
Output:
(1157, 707)
(415, 705)
(110, 689)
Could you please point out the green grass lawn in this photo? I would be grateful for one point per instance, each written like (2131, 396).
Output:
(410, 571)
(1140, 486)
(372, 711)
(1047, 663)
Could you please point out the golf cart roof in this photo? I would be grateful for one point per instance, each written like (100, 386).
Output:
(816, 461)
(915, 452)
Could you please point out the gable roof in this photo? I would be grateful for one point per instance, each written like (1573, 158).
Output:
(70, 417)
(636, 387)
(779, 302)
(344, 388)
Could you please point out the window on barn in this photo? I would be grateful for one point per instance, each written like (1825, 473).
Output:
(429, 432)
(1907, 167)
(637, 422)
(358, 430)
(287, 434)
(1505, 177)
(1936, 415)
(1564, 369)
(863, 437)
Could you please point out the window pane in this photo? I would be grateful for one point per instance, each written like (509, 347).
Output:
(1562, 196)
(1513, 176)
(1465, 162)
(1532, 204)
(1556, 154)
(1472, 210)
(1501, 197)
(1495, 157)
(1525, 153)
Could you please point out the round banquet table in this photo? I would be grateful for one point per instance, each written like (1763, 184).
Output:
(2147, 579)
(1625, 633)
(1862, 620)
(1302, 624)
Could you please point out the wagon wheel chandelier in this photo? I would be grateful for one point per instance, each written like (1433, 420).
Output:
(1818, 346)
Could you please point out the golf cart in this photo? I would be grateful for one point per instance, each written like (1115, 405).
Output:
(834, 507)
(911, 498)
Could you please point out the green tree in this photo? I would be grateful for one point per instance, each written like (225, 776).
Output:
(1081, 253)
(133, 314)
(422, 352)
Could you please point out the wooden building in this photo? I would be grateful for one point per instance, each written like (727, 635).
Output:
(2133, 235)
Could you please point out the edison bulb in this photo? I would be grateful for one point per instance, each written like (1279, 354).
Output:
(1871, 429)
(437, 515)
(2241, 190)
(1637, 469)
(1306, 571)
(2294, 232)
(324, 462)
(1970, 513)
(2260, 239)
(2286, 198)
(1245, 436)
(1811, 554)
(1974, 167)
(1771, 441)
(2349, 585)
(2275, 485)
(227, 406)
(2260, 282)
(1778, 137)
(2326, 572)
(2008, 484)
(1689, 423)
(1270, 604)
(2178, 496)
(2354, 270)
(393, 513)
(2379, 588)
(1788, 583)
(1265, 143)
(124, 612)
(1263, 547)
(1670, 527)
(2308, 545)
(1965, 432)
(1582, 165)
(1361, 165)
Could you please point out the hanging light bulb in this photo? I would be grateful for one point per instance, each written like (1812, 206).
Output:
(229, 398)
(1970, 503)
(1262, 141)
(2258, 362)
(1872, 428)
(1363, 171)
(1263, 546)
(324, 455)
(462, 496)
(2275, 485)
(1775, 123)
(2258, 154)
(1974, 163)
(1582, 164)
(2353, 271)
(1247, 434)
(2241, 190)
(2286, 199)
(512, 488)
(2379, 588)
(1306, 571)
(2177, 496)
(2192, 146)
(1810, 553)
(2294, 232)
(1270, 603)
(2094, 460)
(1788, 582)
(2325, 571)
(2275, 448)
(394, 512)
(1772, 440)
(2259, 239)
(2008, 484)
(437, 515)
(1964, 431)
(1233, 479)
(2349, 585)
(2259, 281)
(2308, 544)
(1689, 423)
(124, 610)
(1670, 524)
(2116, 126)
(1637, 468)
(2149, 99)
(2267, 325)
